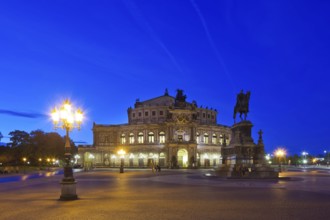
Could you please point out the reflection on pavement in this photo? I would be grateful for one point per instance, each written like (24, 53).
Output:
(17, 178)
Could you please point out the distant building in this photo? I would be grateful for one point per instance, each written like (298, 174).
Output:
(165, 130)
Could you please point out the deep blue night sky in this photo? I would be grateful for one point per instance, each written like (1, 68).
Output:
(105, 54)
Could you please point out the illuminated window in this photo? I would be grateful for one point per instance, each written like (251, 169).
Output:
(206, 138)
(214, 139)
(161, 137)
(131, 138)
(140, 138)
(151, 137)
(221, 139)
(123, 139)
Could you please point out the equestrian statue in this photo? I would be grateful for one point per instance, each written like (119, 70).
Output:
(242, 105)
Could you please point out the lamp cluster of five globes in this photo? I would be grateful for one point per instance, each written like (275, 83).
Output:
(67, 117)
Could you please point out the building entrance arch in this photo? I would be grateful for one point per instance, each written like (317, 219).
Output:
(183, 158)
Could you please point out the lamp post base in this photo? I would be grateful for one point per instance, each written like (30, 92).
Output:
(68, 191)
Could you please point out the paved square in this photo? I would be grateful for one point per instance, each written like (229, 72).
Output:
(170, 194)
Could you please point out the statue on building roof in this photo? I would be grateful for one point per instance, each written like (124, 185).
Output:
(166, 92)
(180, 99)
(179, 96)
(137, 103)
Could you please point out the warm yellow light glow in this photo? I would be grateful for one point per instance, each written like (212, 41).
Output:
(69, 118)
(24, 159)
(79, 115)
(55, 115)
(66, 116)
(40, 159)
(67, 107)
(121, 152)
(48, 160)
(280, 152)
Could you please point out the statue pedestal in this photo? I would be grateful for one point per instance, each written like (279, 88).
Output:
(242, 158)
(241, 147)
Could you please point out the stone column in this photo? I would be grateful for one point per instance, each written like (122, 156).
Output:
(192, 135)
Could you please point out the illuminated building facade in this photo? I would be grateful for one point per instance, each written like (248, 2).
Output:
(165, 130)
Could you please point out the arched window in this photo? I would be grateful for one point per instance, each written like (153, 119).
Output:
(140, 138)
(197, 138)
(123, 139)
(131, 138)
(214, 139)
(221, 139)
(151, 137)
(206, 138)
(162, 137)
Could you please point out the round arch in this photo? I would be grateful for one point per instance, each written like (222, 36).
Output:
(182, 158)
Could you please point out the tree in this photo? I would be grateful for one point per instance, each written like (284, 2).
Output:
(35, 145)
(19, 138)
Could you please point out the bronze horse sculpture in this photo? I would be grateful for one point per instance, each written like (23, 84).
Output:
(242, 105)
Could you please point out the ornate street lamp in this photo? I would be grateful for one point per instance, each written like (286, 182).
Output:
(121, 153)
(67, 118)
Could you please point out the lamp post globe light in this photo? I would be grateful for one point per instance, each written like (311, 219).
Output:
(304, 157)
(24, 164)
(67, 118)
(279, 153)
(121, 153)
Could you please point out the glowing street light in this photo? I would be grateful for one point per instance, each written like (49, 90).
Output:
(268, 158)
(121, 153)
(304, 157)
(67, 118)
(24, 163)
(76, 157)
(326, 157)
(279, 153)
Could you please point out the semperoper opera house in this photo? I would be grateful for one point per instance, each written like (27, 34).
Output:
(166, 130)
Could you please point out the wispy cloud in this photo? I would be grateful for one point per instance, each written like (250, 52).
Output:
(142, 21)
(211, 41)
(22, 114)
